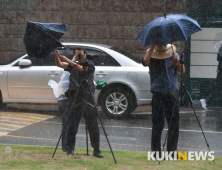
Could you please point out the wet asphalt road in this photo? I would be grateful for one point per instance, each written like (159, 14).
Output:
(133, 133)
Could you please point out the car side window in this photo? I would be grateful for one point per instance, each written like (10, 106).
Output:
(35, 61)
(108, 60)
(48, 61)
(101, 58)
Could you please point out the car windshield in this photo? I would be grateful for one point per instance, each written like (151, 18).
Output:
(10, 61)
(127, 54)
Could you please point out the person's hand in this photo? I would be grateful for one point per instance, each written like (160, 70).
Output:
(175, 59)
(95, 84)
(148, 55)
(175, 56)
(56, 53)
(150, 50)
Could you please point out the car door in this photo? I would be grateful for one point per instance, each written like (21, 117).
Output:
(105, 64)
(32, 82)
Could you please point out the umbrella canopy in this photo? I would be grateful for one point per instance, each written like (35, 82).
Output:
(41, 39)
(168, 29)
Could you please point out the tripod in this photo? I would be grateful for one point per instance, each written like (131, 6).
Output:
(84, 83)
(183, 87)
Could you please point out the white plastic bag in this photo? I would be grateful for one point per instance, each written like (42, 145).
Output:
(63, 85)
(65, 76)
(53, 85)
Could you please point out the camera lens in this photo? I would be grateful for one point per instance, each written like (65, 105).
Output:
(79, 56)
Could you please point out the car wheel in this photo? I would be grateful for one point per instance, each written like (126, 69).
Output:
(117, 103)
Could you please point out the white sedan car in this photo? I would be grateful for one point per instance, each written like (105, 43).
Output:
(25, 79)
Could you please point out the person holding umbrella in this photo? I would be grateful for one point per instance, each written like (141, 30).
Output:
(76, 75)
(163, 67)
(218, 88)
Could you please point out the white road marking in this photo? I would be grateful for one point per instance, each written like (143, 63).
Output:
(3, 133)
(17, 118)
(10, 121)
(11, 125)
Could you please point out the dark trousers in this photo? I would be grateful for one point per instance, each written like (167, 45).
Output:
(162, 106)
(90, 115)
(62, 105)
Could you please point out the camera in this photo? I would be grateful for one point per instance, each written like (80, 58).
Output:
(84, 63)
(79, 56)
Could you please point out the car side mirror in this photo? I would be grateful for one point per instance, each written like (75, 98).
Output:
(25, 63)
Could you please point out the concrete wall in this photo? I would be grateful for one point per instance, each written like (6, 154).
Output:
(112, 22)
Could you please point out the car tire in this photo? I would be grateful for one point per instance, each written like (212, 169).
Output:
(117, 103)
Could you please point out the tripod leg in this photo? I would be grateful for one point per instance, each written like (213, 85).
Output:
(58, 141)
(191, 103)
(106, 136)
(94, 103)
(102, 126)
(87, 140)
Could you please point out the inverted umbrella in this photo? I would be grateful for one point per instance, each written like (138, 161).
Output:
(168, 29)
(41, 39)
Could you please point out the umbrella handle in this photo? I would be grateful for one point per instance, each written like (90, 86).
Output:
(26, 20)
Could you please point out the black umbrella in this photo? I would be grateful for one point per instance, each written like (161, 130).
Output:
(41, 39)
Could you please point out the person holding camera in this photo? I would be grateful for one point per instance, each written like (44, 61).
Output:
(76, 76)
(163, 67)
